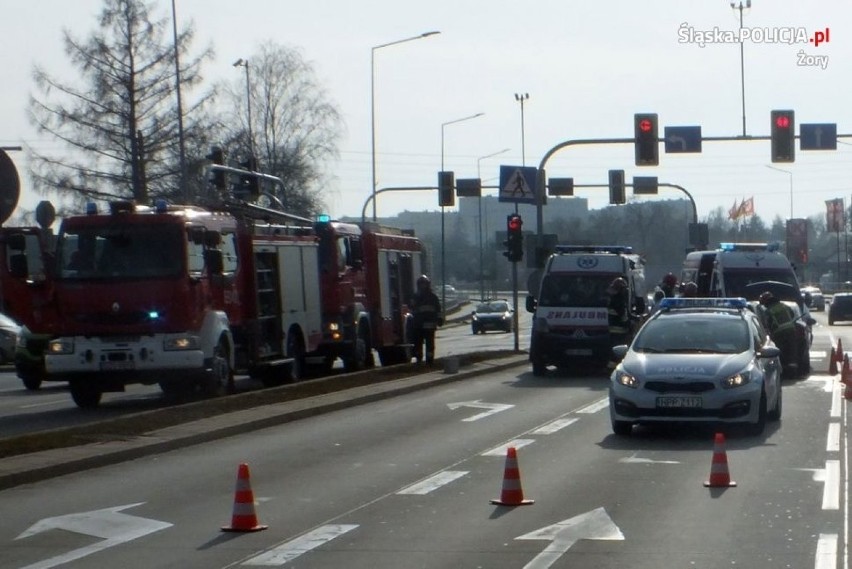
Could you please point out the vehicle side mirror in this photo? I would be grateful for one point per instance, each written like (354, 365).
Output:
(769, 352)
(619, 351)
(531, 303)
(810, 320)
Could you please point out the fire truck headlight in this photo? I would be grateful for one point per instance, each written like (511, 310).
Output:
(177, 343)
(62, 346)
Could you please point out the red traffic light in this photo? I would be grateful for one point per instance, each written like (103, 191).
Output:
(782, 121)
(645, 125)
(514, 223)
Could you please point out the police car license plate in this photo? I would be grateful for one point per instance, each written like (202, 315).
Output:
(126, 365)
(578, 352)
(678, 402)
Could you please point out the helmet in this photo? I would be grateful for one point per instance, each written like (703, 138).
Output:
(618, 284)
(670, 279)
(423, 280)
(766, 297)
(690, 289)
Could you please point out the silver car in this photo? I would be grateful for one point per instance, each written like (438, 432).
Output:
(705, 360)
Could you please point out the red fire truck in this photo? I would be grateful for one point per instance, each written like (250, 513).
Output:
(368, 273)
(181, 296)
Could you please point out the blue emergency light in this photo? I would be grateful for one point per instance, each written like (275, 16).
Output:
(91, 208)
(323, 218)
(679, 302)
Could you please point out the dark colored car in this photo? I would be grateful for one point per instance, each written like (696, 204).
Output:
(797, 364)
(814, 297)
(840, 308)
(491, 315)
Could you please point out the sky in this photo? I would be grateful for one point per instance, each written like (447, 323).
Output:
(586, 67)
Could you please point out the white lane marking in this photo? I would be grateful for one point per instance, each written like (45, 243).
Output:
(836, 401)
(433, 482)
(492, 408)
(833, 438)
(596, 406)
(554, 426)
(302, 544)
(826, 553)
(831, 490)
(633, 459)
(592, 525)
(503, 449)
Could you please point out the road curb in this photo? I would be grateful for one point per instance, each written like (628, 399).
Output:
(34, 467)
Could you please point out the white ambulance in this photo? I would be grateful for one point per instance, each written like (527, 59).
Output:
(569, 303)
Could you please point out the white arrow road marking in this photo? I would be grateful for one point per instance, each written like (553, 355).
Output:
(553, 427)
(492, 408)
(592, 525)
(302, 544)
(108, 524)
(503, 449)
(433, 482)
(633, 459)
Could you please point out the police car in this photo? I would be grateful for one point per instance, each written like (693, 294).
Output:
(706, 360)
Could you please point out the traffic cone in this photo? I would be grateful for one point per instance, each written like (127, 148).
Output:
(845, 371)
(832, 363)
(838, 353)
(719, 476)
(512, 494)
(847, 393)
(244, 517)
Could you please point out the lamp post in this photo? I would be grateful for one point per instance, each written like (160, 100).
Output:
(789, 173)
(184, 189)
(740, 8)
(479, 175)
(244, 63)
(373, 103)
(521, 98)
(443, 232)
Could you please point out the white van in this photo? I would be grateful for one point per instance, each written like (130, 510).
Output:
(727, 271)
(569, 305)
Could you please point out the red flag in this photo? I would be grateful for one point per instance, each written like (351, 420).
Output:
(834, 215)
(747, 207)
(734, 212)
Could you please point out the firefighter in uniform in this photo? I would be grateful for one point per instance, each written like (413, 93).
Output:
(618, 314)
(780, 323)
(426, 310)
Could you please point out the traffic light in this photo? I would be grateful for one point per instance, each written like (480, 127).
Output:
(514, 238)
(783, 136)
(217, 156)
(446, 189)
(616, 187)
(250, 182)
(645, 139)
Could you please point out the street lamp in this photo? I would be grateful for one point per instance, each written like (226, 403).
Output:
(521, 98)
(373, 103)
(443, 232)
(244, 63)
(184, 189)
(740, 8)
(789, 173)
(479, 175)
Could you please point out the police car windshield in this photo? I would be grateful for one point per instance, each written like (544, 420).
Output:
(694, 333)
(581, 291)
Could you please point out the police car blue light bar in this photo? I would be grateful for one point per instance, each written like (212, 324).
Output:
(771, 247)
(678, 302)
(323, 218)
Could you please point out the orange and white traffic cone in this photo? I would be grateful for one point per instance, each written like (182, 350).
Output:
(719, 476)
(512, 494)
(847, 393)
(845, 371)
(832, 363)
(244, 517)
(838, 353)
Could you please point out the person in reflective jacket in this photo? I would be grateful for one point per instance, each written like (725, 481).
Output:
(781, 325)
(427, 316)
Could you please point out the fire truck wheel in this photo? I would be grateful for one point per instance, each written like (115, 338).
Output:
(31, 382)
(84, 394)
(220, 377)
(360, 355)
(296, 350)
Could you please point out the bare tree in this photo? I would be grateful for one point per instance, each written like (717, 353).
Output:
(119, 124)
(295, 128)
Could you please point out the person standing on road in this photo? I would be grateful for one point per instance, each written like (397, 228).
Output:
(780, 323)
(669, 285)
(427, 316)
(618, 315)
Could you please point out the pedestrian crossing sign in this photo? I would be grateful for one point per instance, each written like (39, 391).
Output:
(517, 184)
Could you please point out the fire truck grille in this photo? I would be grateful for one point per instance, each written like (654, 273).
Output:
(112, 318)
